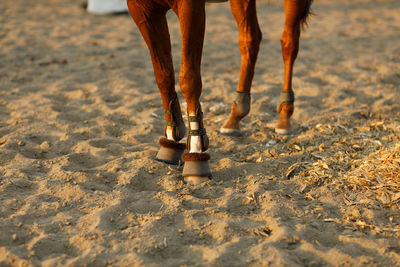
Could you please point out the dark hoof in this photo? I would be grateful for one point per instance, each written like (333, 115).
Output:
(195, 180)
(170, 152)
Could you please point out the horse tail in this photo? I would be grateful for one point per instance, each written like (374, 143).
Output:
(307, 12)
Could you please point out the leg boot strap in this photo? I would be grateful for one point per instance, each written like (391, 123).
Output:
(285, 97)
(176, 121)
(242, 103)
(201, 131)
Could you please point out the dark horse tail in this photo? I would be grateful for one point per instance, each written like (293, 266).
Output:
(307, 12)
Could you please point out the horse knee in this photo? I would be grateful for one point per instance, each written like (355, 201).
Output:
(250, 43)
(290, 45)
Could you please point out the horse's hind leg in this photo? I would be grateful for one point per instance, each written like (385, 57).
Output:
(153, 26)
(191, 14)
(296, 12)
(249, 40)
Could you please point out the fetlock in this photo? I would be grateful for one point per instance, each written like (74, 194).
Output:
(285, 112)
(203, 141)
(285, 109)
(241, 105)
(199, 133)
(240, 108)
(174, 120)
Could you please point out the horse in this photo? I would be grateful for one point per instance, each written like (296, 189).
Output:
(150, 18)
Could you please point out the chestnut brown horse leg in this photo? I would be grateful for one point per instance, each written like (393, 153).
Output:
(153, 26)
(296, 12)
(245, 14)
(191, 14)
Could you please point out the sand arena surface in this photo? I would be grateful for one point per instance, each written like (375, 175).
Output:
(80, 116)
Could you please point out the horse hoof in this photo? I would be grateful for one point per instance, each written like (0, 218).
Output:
(283, 131)
(170, 151)
(196, 169)
(195, 180)
(230, 132)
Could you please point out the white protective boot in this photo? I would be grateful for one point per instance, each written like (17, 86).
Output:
(101, 7)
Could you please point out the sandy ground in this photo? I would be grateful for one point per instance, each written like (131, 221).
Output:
(80, 116)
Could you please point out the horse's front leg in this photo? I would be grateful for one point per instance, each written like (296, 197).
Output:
(245, 15)
(154, 29)
(296, 12)
(191, 14)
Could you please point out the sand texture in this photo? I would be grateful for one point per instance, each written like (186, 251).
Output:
(80, 116)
